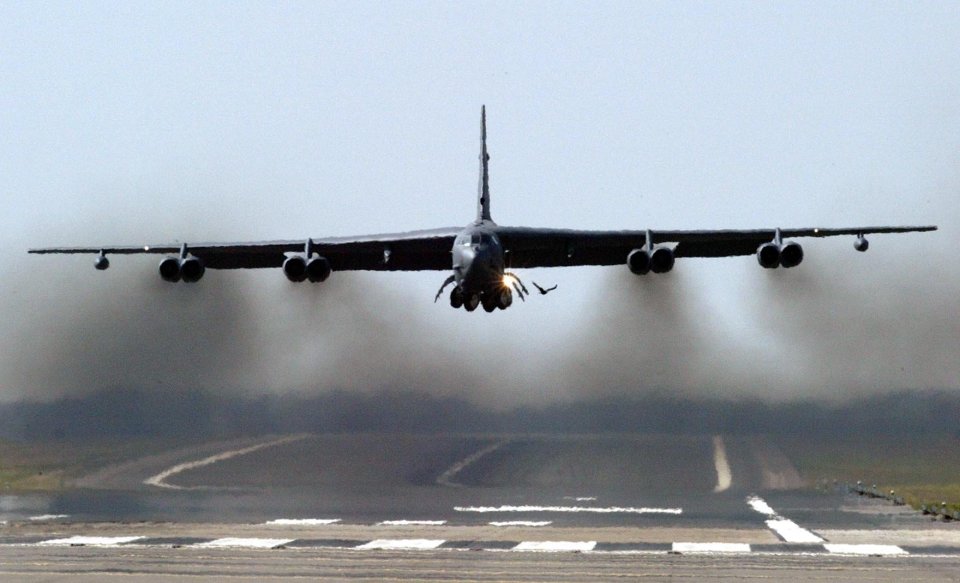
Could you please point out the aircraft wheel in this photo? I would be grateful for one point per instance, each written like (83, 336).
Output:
(504, 299)
(489, 302)
(456, 298)
(471, 302)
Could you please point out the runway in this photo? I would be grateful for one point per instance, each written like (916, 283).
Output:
(538, 508)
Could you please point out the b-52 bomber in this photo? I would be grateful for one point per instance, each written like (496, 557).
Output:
(483, 254)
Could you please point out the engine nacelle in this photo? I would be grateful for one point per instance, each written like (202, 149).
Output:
(791, 254)
(101, 262)
(768, 255)
(639, 262)
(170, 269)
(662, 260)
(318, 269)
(295, 268)
(861, 244)
(191, 269)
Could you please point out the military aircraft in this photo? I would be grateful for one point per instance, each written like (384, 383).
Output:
(482, 254)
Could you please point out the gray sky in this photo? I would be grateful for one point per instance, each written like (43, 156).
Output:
(132, 123)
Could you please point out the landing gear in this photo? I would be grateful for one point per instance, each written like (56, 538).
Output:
(489, 302)
(471, 301)
(456, 298)
(504, 298)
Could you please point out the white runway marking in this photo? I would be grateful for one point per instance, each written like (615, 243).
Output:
(581, 498)
(160, 479)
(760, 506)
(711, 547)
(246, 543)
(402, 544)
(412, 523)
(302, 521)
(724, 476)
(98, 541)
(446, 478)
(599, 510)
(844, 549)
(48, 517)
(788, 530)
(791, 532)
(522, 523)
(555, 546)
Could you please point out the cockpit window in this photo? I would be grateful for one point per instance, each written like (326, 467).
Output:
(476, 238)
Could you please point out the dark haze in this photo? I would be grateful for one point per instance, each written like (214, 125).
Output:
(250, 352)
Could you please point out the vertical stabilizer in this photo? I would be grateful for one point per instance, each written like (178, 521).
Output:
(483, 196)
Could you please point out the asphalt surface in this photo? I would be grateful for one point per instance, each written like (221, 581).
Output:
(505, 508)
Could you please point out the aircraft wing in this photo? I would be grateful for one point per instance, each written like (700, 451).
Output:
(533, 247)
(412, 251)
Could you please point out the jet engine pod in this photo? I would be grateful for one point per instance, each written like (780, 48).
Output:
(170, 269)
(318, 269)
(191, 269)
(861, 244)
(662, 260)
(768, 255)
(791, 254)
(295, 268)
(101, 262)
(639, 262)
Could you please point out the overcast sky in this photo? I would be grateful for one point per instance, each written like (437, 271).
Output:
(132, 123)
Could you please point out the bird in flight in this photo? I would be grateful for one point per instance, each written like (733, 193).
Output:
(482, 256)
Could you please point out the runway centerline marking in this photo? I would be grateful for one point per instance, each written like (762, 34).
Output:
(724, 475)
(401, 544)
(159, 480)
(521, 523)
(595, 509)
(787, 529)
(446, 478)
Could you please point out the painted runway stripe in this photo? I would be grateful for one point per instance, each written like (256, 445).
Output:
(412, 523)
(160, 480)
(724, 475)
(786, 529)
(522, 523)
(98, 541)
(711, 548)
(847, 549)
(557, 546)
(760, 506)
(246, 543)
(790, 532)
(44, 517)
(301, 521)
(401, 544)
(599, 510)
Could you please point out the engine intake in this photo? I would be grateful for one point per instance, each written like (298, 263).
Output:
(295, 268)
(191, 269)
(768, 255)
(639, 262)
(318, 269)
(662, 260)
(170, 269)
(791, 255)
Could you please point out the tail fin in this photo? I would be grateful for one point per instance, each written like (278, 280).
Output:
(483, 199)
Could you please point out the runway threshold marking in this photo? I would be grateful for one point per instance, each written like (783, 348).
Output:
(557, 546)
(711, 548)
(594, 509)
(401, 544)
(724, 475)
(160, 480)
(93, 541)
(787, 529)
(246, 543)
